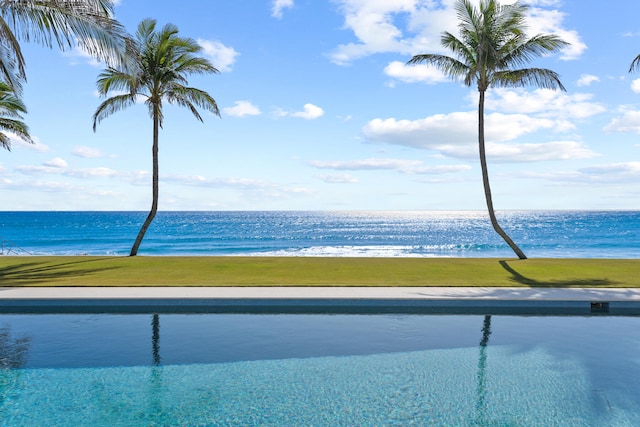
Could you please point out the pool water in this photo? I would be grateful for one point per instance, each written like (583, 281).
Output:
(319, 370)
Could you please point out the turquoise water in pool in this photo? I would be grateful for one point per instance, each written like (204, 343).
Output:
(319, 370)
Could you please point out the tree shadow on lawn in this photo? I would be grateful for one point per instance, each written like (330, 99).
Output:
(569, 283)
(44, 273)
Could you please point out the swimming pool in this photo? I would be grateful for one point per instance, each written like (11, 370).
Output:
(319, 369)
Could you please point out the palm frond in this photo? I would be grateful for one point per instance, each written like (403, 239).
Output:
(112, 105)
(459, 48)
(539, 77)
(12, 61)
(5, 142)
(18, 127)
(8, 72)
(192, 97)
(11, 109)
(635, 65)
(469, 21)
(534, 47)
(195, 65)
(11, 106)
(112, 79)
(451, 67)
(66, 23)
(509, 21)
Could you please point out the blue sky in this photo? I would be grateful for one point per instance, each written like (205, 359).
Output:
(319, 112)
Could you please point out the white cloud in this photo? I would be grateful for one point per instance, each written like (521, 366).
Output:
(201, 181)
(74, 191)
(222, 57)
(587, 79)
(337, 178)
(635, 85)
(613, 173)
(35, 170)
(629, 121)
(372, 24)
(537, 152)
(78, 55)
(88, 152)
(16, 141)
(309, 112)
(56, 163)
(543, 102)
(254, 187)
(626, 167)
(409, 27)
(99, 172)
(53, 186)
(455, 135)
(400, 165)
(440, 169)
(414, 73)
(542, 21)
(279, 6)
(454, 128)
(242, 109)
(540, 2)
(367, 164)
(58, 166)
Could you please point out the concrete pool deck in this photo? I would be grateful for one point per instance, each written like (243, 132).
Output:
(624, 301)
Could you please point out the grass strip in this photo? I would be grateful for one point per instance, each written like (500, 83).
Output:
(312, 271)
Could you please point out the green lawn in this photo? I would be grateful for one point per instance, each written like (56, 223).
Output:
(307, 271)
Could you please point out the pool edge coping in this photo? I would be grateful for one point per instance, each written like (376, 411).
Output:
(581, 301)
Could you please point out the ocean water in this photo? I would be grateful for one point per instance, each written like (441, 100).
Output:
(579, 234)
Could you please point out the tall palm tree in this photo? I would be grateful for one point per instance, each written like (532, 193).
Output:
(492, 44)
(158, 71)
(11, 108)
(65, 23)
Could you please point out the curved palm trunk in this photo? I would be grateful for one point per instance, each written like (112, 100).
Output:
(154, 204)
(485, 181)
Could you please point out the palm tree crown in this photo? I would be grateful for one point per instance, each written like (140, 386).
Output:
(491, 46)
(11, 110)
(492, 43)
(157, 72)
(65, 23)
